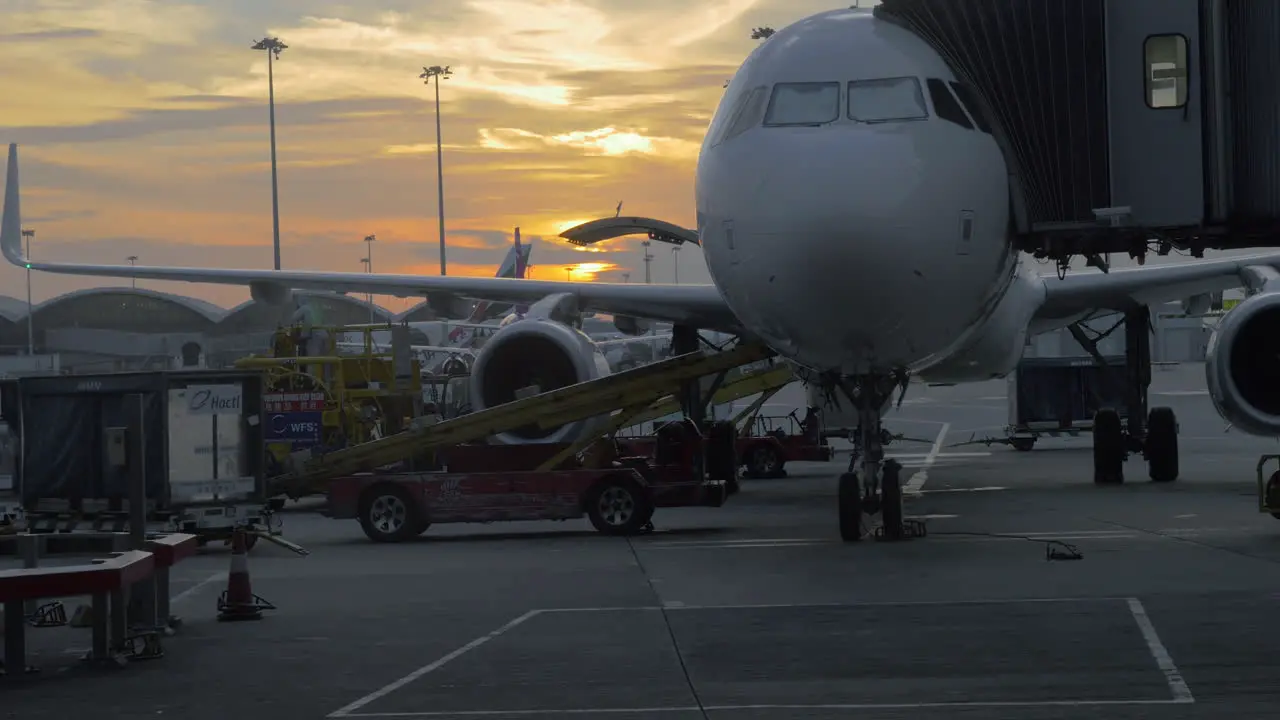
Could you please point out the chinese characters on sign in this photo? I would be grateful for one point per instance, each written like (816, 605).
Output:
(293, 402)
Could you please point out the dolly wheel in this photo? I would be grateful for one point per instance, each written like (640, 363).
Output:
(1161, 447)
(763, 461)
(1108, 448)
(618, 506)
(388, 514)
(1271, 493)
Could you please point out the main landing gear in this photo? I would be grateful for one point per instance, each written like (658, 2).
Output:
(1152, 433)
(872, 484)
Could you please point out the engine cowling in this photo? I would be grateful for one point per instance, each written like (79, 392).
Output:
(1240, 365)
(542, 354)
(270, 293)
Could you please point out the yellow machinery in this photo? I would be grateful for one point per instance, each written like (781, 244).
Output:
(359, 392)
(629, 393)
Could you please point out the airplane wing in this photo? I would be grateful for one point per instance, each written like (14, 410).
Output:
(1085, 292)
(698, 305)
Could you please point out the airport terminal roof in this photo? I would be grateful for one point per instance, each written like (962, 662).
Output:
(143, 310)
(12, 309)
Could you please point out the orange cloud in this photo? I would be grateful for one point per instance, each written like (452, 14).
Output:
(144, 130)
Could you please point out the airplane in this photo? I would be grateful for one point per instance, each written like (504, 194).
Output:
(827, 179)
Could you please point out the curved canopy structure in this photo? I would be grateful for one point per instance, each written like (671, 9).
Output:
(590, 233)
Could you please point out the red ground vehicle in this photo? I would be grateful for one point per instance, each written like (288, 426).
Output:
(491, 483)
(765, 445)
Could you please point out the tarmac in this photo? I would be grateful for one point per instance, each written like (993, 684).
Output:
(756, 610)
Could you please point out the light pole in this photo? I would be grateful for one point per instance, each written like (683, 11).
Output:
(274, 47)
(626, 277)
(369, 240)
(675, 262)
(648, 258)
(133, 261)
(568, 273)
(27, 235)
(437, 72)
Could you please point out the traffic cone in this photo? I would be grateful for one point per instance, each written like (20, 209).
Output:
(238, 602)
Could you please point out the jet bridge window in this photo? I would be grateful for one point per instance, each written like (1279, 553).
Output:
(945, 104)
(886, 100)
(1165, 57)
(803, 103)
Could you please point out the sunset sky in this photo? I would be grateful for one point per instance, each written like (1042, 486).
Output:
(144, 129)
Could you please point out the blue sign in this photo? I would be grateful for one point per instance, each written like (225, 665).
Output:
(295, 426)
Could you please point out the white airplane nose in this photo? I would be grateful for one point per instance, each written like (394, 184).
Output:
(844, 254)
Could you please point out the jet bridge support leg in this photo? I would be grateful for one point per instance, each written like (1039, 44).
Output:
(1152, 432)
(684, 339)
(1137, 356)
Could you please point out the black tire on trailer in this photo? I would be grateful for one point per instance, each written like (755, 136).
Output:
(763, 461)
(849, 502)
(1161, 447)
(618, 505)
(1022, 444)
(1108, 447)
(389, 514)
(1271, 493)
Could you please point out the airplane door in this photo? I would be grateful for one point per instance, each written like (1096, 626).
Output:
(1157, 165)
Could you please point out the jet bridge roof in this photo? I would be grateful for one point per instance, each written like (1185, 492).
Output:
(1038, 65)
(590, 233)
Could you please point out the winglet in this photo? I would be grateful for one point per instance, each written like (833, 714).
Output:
(11, 224)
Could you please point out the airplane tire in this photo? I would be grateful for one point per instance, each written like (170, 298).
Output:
(1162, 445)
(1108, 448)
(850, 505)
(891, 511)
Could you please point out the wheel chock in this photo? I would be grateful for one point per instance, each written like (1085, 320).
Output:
(143, 646)
(83, 617)
(51, 614)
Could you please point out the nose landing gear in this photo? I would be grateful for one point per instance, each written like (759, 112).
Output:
(872, 484)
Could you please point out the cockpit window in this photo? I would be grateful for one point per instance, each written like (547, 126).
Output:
(886, 100)
(747, 115)
(946, 105)
(969, 99)
(803, 103)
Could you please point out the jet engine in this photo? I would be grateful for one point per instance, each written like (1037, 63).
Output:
(270, 293)
(536, 355)
(1240, 365)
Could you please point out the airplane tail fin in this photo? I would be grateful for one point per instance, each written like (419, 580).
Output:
(522, 256)
(11, 223)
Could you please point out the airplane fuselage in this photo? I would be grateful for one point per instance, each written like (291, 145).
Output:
(849, 220)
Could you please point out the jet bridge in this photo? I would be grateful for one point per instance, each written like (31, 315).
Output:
(1127, 125)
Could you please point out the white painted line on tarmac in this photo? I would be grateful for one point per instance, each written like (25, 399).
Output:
(1177, 685)
(346, 711)
(191, 591)
(922, 475)
(691, 709)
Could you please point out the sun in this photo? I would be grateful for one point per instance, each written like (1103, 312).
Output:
(562, 226)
